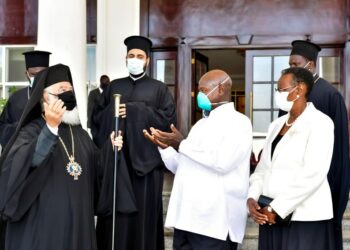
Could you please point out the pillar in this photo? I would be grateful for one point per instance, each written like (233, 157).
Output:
(62, 31)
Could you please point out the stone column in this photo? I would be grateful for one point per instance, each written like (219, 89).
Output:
(116, 20)
(62, 31)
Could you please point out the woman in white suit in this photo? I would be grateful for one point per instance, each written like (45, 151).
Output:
(293, 172)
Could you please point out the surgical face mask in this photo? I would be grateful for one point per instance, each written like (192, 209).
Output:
(68, 98)
(135, 66)
(282, 101)
(203, 100)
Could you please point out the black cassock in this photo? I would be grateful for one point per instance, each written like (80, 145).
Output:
(11, 114)
(9, 119)
(44, 206)
(330, 102)
(148, 104)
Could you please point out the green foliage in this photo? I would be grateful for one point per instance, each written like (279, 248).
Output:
(12, 89)
(2, 104)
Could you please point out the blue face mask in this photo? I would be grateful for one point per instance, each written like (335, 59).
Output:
(203, 101)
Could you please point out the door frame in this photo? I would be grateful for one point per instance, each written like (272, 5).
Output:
(186, 47)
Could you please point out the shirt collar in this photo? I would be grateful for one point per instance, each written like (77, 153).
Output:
(137, 78)
(222, 109)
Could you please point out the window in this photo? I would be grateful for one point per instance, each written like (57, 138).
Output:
(12, 68)
(266, 72)
(263, 69)
(329, 69)
(16, 64)
(91, 66)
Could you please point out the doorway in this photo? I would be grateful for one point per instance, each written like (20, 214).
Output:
(232, 61)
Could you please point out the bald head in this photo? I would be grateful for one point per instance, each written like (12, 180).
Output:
(212, 79)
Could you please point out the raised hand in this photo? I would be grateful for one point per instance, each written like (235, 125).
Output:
(172, 139)
(154, 140)
(53, 113)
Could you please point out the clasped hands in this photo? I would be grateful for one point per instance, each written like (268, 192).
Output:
(260, 215)
(164, 139)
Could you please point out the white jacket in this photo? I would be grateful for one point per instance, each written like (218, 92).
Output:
(296, 177)
(212, 176)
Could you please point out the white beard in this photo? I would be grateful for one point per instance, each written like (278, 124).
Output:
(71, 117)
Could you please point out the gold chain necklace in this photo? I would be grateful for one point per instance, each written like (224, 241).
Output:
(73, 168)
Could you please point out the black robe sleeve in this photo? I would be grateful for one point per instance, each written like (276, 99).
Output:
(17, 198)
(7, 125)
(125, 198)
(148, 104)
(339, 172)
(11, 114)
(144, 155)
(102, 118)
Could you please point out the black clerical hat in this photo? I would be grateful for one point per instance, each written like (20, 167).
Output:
(306, 49)
(37, 58)
(58, 73)
(138, 42)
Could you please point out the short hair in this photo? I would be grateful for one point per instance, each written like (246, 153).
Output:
(104, 77)
(301, 75)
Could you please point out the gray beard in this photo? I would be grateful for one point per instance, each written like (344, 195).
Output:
(71, 117)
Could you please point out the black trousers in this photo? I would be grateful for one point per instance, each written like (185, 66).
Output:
(2, 234)
(299, 235)
(184, 240)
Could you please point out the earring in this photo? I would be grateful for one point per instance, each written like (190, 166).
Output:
(298, 96)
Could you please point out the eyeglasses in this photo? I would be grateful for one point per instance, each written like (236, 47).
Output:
(284, 89)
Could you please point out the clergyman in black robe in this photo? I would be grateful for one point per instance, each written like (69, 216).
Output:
(35, 61)
(50, 172)
(145, 102)
(328, 100)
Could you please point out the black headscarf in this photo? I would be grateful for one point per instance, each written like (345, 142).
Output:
(47, 77)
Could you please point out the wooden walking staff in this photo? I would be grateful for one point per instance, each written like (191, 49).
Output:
(116, 115)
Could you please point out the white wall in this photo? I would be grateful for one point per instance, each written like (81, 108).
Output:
(116, 20)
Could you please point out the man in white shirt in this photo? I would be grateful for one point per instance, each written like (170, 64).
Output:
(207, 205)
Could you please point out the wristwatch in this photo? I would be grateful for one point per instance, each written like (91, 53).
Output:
(269, 209)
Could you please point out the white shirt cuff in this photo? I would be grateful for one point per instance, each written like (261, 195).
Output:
(52, 129)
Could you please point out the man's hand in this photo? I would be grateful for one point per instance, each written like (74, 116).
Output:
(54, 112)
(117, 141)
(255, 213)
(172, 139)
(122, 110)
(154, 140)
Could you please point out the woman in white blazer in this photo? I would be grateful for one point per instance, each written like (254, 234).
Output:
(293, 172)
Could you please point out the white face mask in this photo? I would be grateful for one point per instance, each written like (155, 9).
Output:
(31, 81)
(282, 101)
(135, 66)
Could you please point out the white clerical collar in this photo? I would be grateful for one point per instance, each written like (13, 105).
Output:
(137, 78)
